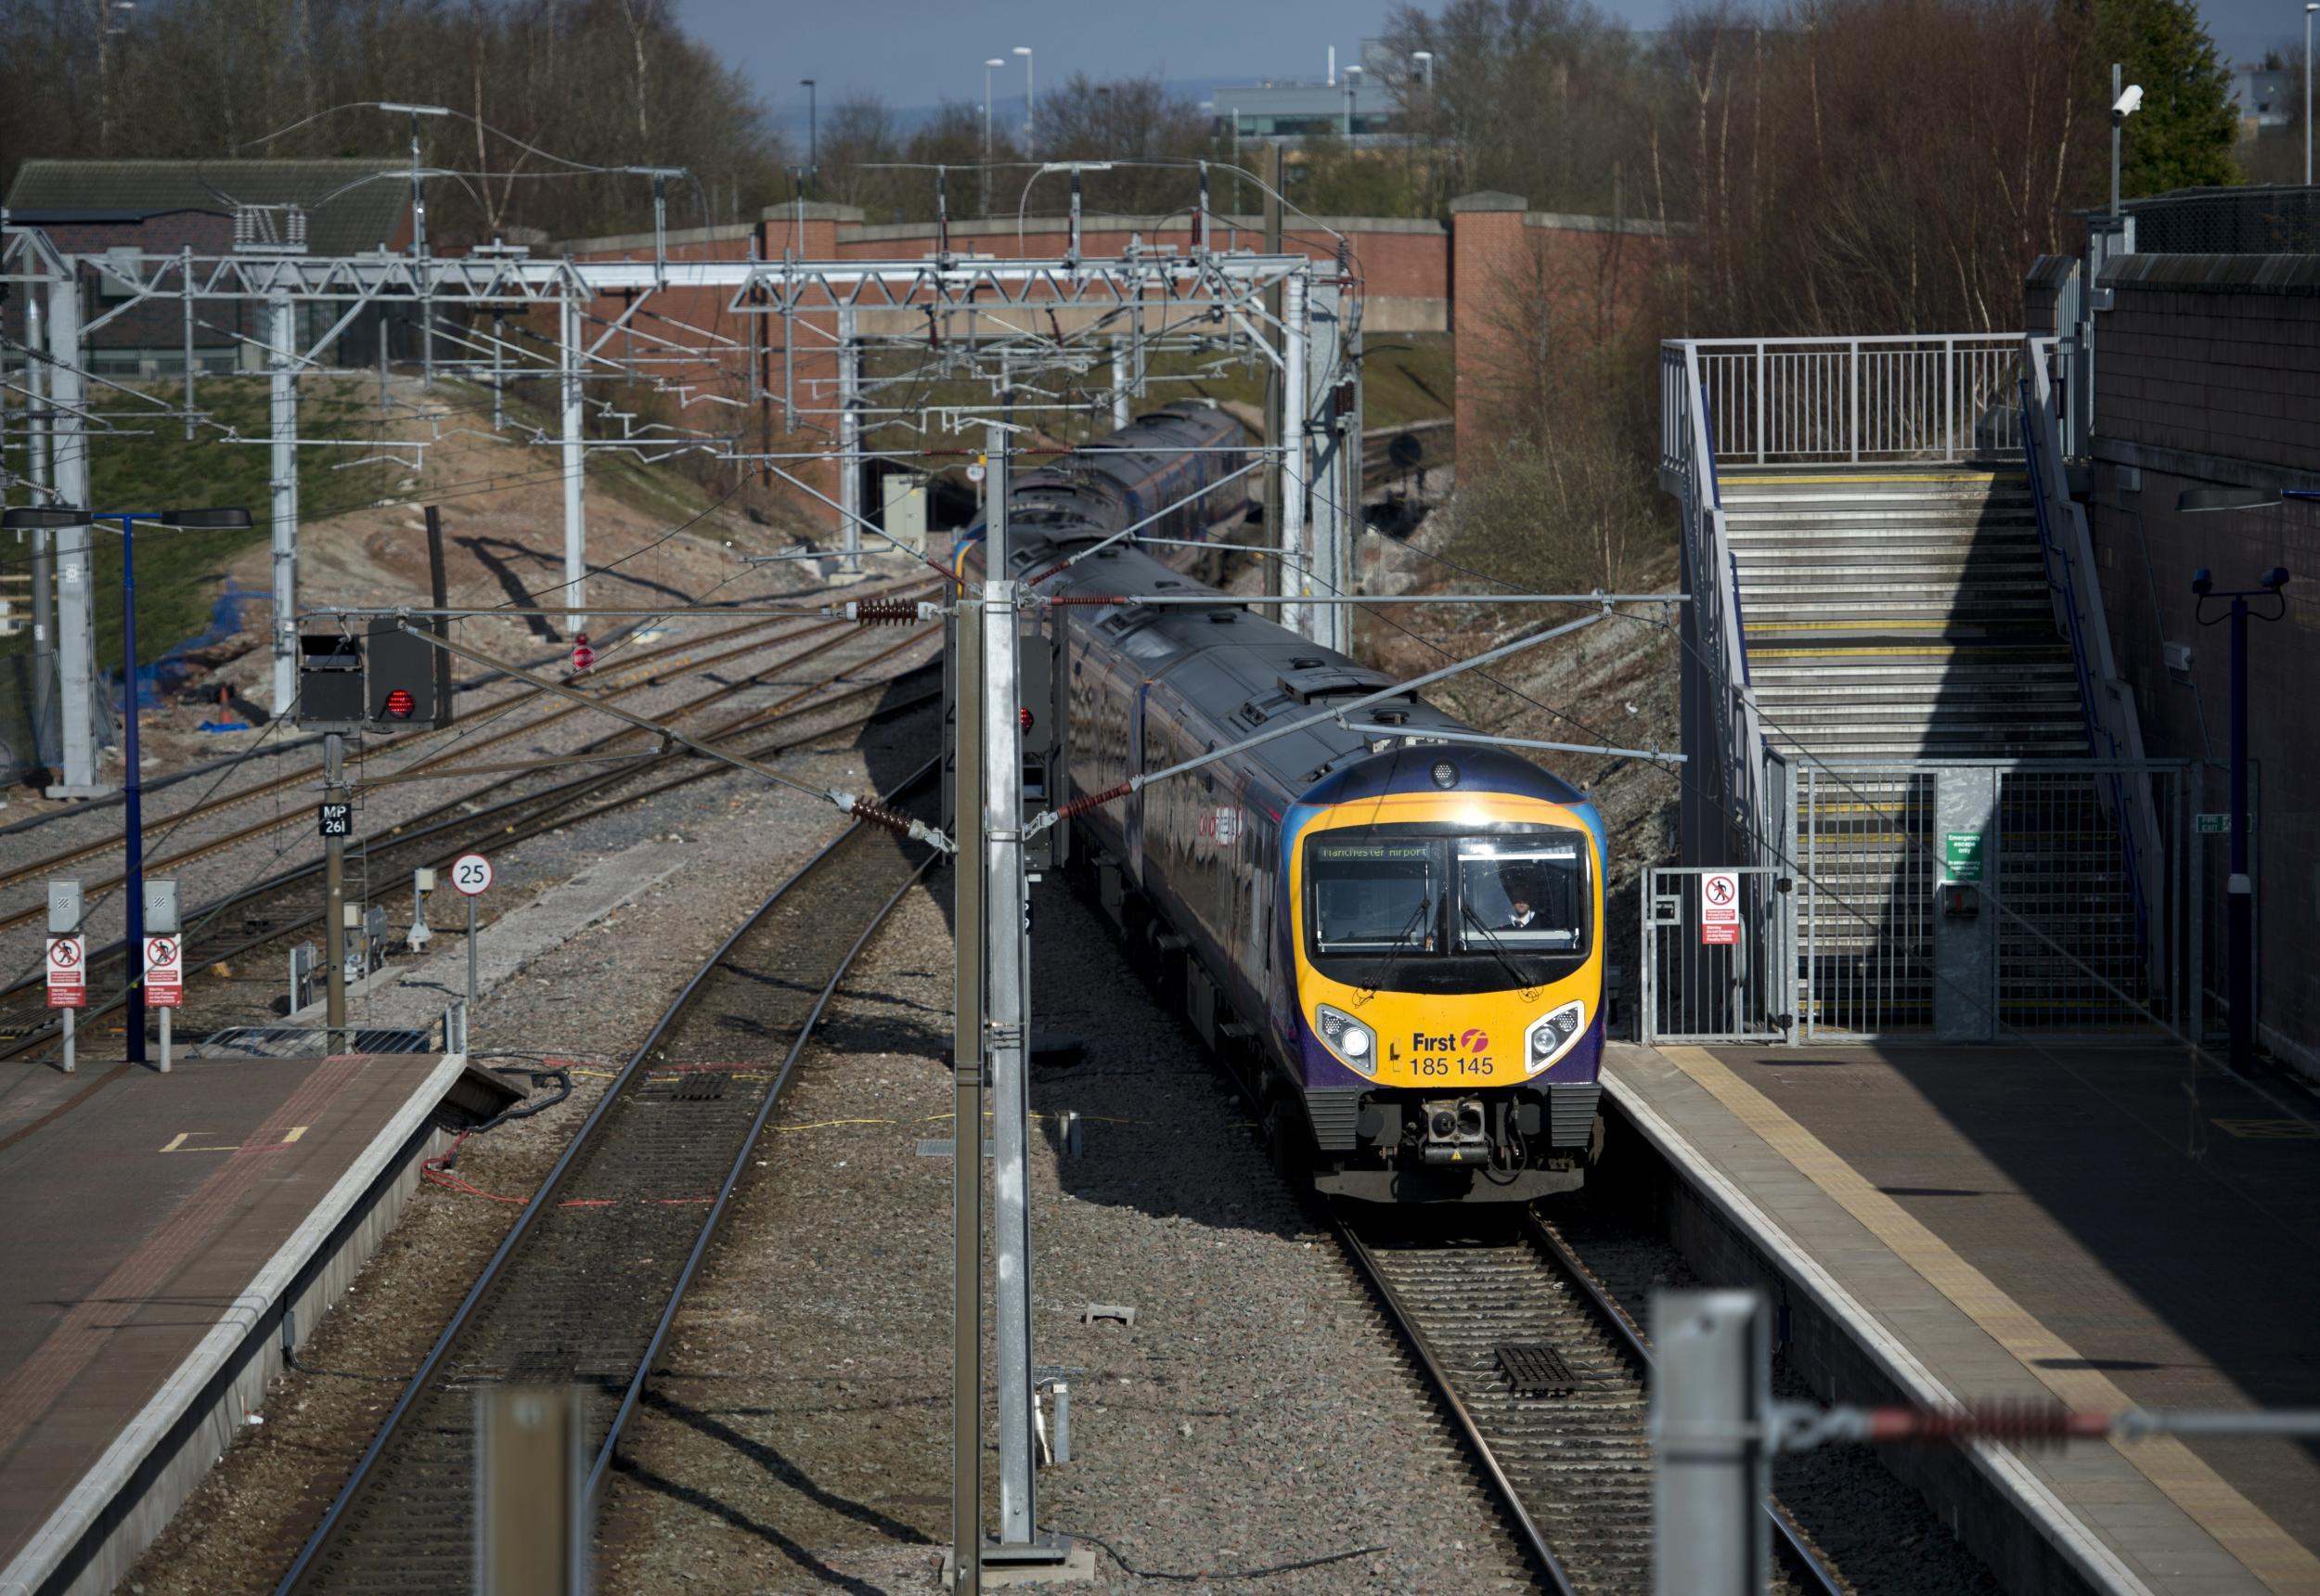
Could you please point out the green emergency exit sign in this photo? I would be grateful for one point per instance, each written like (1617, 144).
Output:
(1961, 856)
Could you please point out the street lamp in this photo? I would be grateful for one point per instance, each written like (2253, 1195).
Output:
(132, 785)
(1030, 102)
(813, 136)
(2124, 103)
(2240, 900)
(988, 67)
(1350, 74)
(2310, 7)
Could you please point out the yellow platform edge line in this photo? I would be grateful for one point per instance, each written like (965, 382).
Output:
(1775, 477)
(2206, 1498)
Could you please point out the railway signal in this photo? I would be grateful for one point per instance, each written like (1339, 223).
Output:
(582, 655)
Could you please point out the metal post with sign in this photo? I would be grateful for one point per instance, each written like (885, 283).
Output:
(337, 819)
(472, 874)
(68, 958)
(164, 957)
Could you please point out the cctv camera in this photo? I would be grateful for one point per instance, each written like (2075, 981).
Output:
(2129, 102)
(2201, 582)
(2275, 579)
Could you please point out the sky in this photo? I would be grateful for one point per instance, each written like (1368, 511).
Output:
(917, 53)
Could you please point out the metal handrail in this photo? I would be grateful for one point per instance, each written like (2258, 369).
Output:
(1888, 396)
(2113, 728)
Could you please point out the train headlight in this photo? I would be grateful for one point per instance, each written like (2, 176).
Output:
(1551, 1035)
(1347, 1037)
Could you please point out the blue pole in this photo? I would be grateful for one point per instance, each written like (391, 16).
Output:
(132, 799)
(2239, 901)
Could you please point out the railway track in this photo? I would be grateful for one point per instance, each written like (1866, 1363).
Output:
(586, 1286)
(271, 912)
(1545, 1380)
(638, 673)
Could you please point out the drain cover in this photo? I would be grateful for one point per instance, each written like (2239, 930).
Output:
(1534, 1369)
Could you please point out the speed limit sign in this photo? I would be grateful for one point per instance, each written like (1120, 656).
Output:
(472, 873)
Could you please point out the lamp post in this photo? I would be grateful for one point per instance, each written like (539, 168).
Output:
(2311, 6)
(989, 68)
(1030, 102)
(2240, 899)
(813, 136)
(132, 783)
(1351, 73)
(2123, 104)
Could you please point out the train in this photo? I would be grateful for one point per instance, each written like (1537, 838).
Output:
(1389, 928)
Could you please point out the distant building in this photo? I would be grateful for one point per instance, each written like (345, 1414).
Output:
(2264, 97)
(1358, 102)
(160, 207)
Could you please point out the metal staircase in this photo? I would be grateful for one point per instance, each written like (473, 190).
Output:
(1900, 614)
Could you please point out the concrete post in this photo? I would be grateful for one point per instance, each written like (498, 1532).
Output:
(1295, 579)
(575, 511)
(76, 615)
(1711, 1391)
(1964, 942)
(282, 336)
(44, 565)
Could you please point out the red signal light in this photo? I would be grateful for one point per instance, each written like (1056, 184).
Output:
(400, 703)
(1026, 715)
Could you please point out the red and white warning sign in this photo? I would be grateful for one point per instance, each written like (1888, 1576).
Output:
(68, 975)
(1719, 907)
(164, 972)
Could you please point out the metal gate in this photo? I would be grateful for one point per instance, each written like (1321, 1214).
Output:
(1720, 954)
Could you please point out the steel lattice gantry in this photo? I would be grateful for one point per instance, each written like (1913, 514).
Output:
(997, 319)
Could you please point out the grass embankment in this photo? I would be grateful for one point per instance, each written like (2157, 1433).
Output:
(148, 464)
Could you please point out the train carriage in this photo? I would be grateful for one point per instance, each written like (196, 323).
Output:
(1398, 936)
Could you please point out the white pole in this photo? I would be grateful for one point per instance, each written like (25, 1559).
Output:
(1006, 1014)
(281, 323)
(2309, 9)
(575, 512)
(1294, 579)
(68, 443)
(850, 440)
(1121, 410)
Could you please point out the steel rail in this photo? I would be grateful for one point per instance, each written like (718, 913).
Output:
(668, 671)
(1405, 1324)
(551, 805)
(1803, 1560)
(541, 1199)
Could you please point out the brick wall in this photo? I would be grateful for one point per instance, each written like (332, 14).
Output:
(2207, 373)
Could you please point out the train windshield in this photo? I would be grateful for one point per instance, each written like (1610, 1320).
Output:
(1520, 895)
(1448, 910)
(1375, 896)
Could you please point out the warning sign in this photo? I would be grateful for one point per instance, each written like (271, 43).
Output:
(164, 972)
(1720, 908)
(67, 978)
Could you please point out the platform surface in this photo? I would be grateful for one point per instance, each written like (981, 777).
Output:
(138, 1209)
(2097, 1227)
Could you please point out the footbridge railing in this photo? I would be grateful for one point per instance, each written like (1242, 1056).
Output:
(1935, 398)
(1735, 777)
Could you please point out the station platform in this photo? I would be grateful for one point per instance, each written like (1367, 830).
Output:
(156, 1228)
(2093, 1226)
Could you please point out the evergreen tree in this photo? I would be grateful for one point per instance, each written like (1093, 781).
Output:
(2182, 136)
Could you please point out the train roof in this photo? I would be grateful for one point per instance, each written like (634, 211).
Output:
(1241, 673)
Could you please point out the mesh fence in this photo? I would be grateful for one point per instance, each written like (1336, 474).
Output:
(2228, 222)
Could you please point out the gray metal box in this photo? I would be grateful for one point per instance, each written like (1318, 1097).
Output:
(161, 907)
(64, 908)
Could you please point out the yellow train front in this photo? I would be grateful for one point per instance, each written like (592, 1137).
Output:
(1442, 906)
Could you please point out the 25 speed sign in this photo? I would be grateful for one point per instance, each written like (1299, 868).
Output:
(472, 873)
